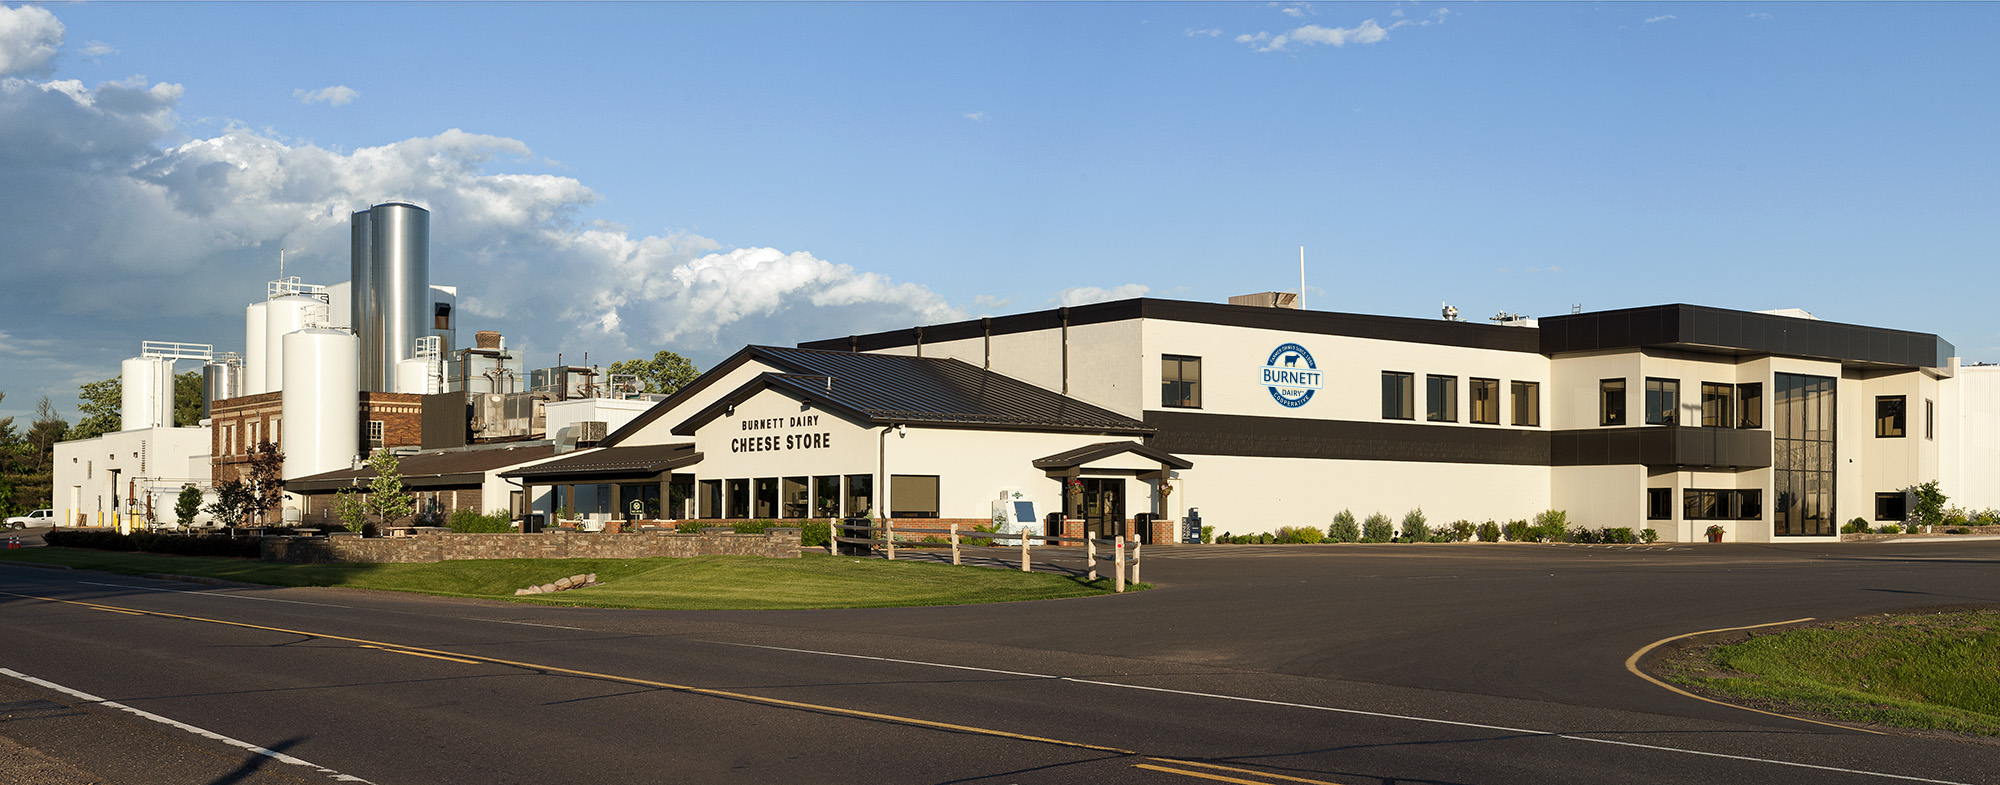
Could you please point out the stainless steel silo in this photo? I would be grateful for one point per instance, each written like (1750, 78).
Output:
(221, 379)
(392, 296)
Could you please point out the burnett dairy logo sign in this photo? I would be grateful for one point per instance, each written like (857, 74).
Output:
(1290, 375)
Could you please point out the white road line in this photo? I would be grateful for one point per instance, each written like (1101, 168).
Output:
(1360, 712)
(324, 605)
(207, 734)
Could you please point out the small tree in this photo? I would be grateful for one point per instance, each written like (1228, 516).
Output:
(232, 505)
(1343, 528)
(1377, 529)
(1416, 527)
(350, 510)
(265, 479)
(386, 498)
(1928, 508)
(187, 505)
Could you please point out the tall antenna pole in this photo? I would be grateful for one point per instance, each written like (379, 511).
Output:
(1302, 277)
(281, 265)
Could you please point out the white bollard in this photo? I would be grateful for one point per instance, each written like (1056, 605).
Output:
(954, 545)
(1135, 561)
(1024, 550)
(1118, 556)
(1090, 555)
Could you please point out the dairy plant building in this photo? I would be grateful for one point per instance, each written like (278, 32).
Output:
(1672, 417)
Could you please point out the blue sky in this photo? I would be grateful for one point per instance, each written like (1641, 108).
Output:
(622, 177)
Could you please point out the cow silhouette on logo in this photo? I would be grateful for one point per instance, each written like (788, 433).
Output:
(1291, 361)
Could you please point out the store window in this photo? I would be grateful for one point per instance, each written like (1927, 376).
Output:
(826, 496)
(796, 501)
(1398, 395)
(1485, 398)
(1441, 398)
(680, 489)
(767, 497)
(739, 500)
(860, 496)
(1750, 405)
(1180, 381)
(708, 499)
(1528, 403)
(1659, 504)
(1716, 401)
(1889, 416)
(1663, 401)
(1892, 506)
(913, 496)
(1611, 402)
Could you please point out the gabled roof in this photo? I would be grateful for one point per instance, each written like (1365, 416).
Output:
(884, 389)
(611, 463)
(428, 470)
(1070, 459)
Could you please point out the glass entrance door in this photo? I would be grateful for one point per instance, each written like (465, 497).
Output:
(1104, 506)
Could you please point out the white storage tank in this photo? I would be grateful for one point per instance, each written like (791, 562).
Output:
(253, 350)
(283, 316)
(221, 379)
(146, 394)
(321, 402)
(415, 376)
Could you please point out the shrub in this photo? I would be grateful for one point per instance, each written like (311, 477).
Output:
(1208, 534)
(1489, 532)
(146, 542)
(1442, 535)
(1226, 538)
(1414, 527)
(1301, 535)
(469, 522)
(815, 533)
(1461, 530)
(1581, 534)
(1549, 526)
(1517, 531)
(1890, 529)
(1649, 535)
(1377, 529)
(1620, 534)
(1343, 528)
(1856, 526)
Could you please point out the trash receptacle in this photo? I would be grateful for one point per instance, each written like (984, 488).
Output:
(534, 522)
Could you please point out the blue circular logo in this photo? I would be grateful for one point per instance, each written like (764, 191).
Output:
(1291, 375)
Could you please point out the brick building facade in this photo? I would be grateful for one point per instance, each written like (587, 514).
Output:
(387, 421)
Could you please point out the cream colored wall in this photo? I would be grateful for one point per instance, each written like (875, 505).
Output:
(1573, 400)
(1351, 388)
(1107, 367)
(975, 466)
(1969, 437)
(808, 441)
(1032, 357)
(1885, 464)
(1597, 497)
(1246, 494)
(163, 458)
(660, 431)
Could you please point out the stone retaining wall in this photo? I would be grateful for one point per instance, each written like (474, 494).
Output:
(773, 543)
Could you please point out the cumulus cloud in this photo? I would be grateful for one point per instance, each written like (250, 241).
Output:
(1085, 295)
(1292, 11)
(1208, 32)
(1367, 32)
(977, 117)
(125, 229)
(1761, 15)
(1660, 18)
(97, 49)
(29, 36)
(337, 95)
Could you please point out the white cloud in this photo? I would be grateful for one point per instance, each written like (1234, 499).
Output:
(1661, 18)
(977, 117)
(1085, 295)
(29, 36)
(1292, 11)
(1367, 32)
(337, 95)
(1761, 15)
(97, 49)
(1205, 32)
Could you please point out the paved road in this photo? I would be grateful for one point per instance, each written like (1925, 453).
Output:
(1349, 664)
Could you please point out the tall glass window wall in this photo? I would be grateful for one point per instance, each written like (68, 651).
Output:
(1802, 461)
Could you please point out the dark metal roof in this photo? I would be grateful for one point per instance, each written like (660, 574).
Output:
(1082, 455)
(1718, 330)
(611, 463)
(891, 389)
(461, 468)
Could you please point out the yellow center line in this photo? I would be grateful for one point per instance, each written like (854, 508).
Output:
(606, 677)
(1199, 774)
(1632, 664)
(418, 654)
(116, 610)
(1243, 771)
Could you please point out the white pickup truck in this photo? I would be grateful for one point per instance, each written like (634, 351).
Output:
(41, 517)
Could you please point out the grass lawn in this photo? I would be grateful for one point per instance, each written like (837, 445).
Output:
(702, 583)
(1932, 671)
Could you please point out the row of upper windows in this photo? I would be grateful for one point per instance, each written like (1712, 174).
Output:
(1399, 399)
(1891, 413)
(1722, 405)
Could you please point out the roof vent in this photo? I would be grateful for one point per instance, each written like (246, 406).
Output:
(1267, 300)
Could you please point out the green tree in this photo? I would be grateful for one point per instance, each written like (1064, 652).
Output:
(265, 479)
(386, 497)
(1928, 508)
(665, 374)
(187, 505)
(187, 399)
(350, 509)
(97, 409)
(232, 505)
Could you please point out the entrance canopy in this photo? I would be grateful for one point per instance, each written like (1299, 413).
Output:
(1104, 454)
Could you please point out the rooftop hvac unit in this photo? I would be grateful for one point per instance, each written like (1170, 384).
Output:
(591, 431)
(498, 415)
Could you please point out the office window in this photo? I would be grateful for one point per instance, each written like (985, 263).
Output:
(1893, 506)
(1698, 504)
(1659, 504)
(1486, 401)
(1803, 481)
(913, 496)
(1398, 395)
(1663, 401)
(1716, 402)
(1441, 398)
(1528, 403)
(1750, 405)
(1889, 416)
(1930, 419)
(374, 434)
(1611, 402)
(1180, 381)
